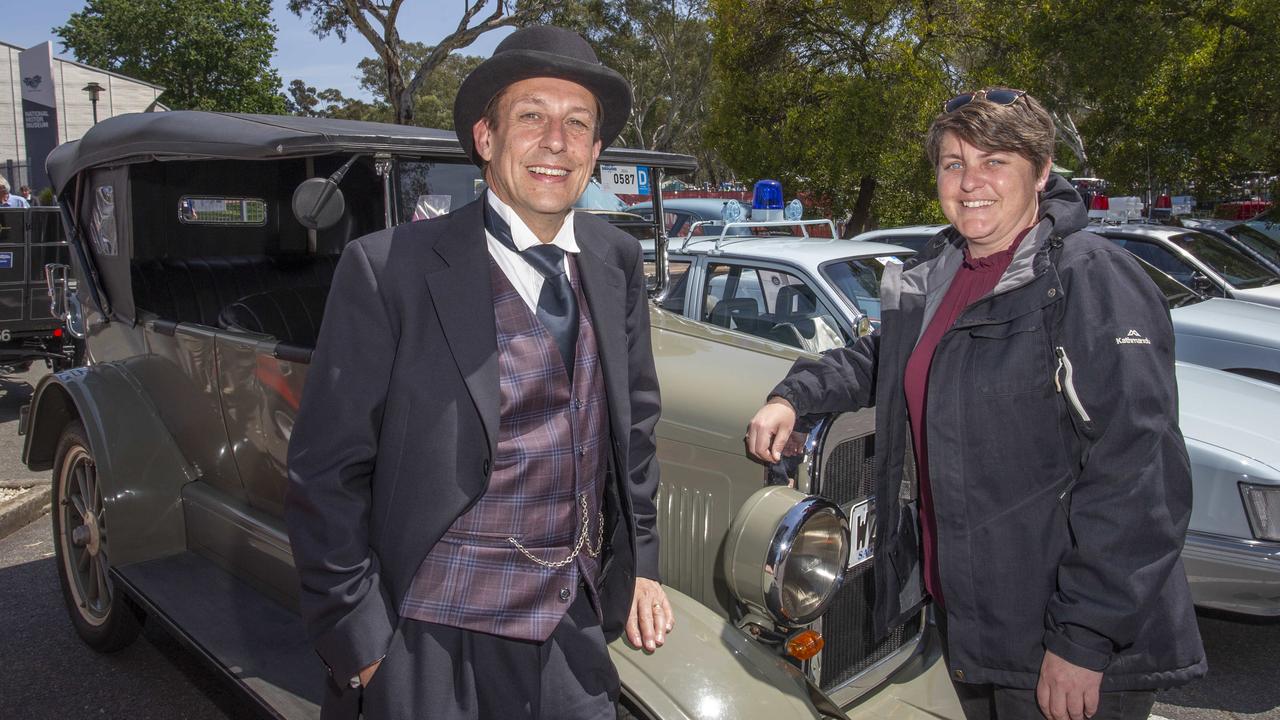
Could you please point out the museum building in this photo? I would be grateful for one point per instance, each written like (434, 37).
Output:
(47, 100)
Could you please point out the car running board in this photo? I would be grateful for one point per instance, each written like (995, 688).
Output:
(253, 641)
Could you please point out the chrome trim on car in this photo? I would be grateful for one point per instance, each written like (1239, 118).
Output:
(788, 528)
(1241, 551)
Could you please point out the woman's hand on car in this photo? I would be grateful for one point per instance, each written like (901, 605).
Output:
(769, 430)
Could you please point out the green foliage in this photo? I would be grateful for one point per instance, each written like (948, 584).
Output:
(822, 95)
(1160, 94)
(207, 54)
(1167, 94)
(663, 48)
(433, 103)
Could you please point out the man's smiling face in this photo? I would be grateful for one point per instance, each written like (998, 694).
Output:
(543, 151)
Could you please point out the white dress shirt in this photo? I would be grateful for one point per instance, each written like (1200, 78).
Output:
(527, 280)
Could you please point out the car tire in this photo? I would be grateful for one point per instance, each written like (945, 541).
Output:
(103, 617)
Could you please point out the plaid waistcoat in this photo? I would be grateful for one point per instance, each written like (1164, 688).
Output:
(548, 476)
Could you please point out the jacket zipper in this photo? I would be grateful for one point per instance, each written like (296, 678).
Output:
(1067, 386)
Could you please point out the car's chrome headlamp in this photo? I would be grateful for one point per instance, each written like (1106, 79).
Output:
(786, 553)
(1262, 505)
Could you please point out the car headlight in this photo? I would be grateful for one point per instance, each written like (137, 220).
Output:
(786, 553)
(1262, 505)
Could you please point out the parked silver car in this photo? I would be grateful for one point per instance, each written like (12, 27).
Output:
(1245, 236)
(1267, 222)
(1232, 335)
(1199, 260)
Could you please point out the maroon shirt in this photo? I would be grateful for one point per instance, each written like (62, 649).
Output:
(976, 278)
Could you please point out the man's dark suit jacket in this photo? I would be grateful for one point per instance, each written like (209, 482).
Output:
(398, 423)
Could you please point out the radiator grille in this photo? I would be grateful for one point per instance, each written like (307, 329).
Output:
(848, 476)
(849, 473)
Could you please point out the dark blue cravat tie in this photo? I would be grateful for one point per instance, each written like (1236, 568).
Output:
(557, 305)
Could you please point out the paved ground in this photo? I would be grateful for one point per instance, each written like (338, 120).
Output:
(48, 673)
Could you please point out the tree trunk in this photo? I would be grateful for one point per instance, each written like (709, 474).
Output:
(397, 89)
(861, 216)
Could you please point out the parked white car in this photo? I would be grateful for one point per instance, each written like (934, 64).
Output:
(1232, 553)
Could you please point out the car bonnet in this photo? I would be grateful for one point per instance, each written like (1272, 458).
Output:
(1231, 412)
(1233, 320)
(1269, 295)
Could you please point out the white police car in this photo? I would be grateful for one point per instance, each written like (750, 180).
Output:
(775, 275)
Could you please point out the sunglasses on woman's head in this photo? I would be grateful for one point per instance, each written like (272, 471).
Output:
(999, 96)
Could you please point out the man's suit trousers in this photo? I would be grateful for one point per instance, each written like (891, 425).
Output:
(437, 672)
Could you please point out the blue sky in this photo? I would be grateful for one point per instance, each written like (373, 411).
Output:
(299, 54)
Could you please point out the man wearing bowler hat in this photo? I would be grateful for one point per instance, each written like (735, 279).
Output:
(472, 471)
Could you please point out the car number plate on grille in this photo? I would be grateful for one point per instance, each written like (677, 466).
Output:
(862, 531)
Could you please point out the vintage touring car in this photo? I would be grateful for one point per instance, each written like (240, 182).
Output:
(204, 246)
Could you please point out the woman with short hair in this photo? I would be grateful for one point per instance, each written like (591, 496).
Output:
(1026, 366)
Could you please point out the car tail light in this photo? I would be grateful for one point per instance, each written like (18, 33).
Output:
(1262, 505)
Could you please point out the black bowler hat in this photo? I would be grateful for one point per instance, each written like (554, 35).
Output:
(534, 52)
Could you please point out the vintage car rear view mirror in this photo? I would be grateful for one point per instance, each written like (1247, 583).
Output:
(318, 203)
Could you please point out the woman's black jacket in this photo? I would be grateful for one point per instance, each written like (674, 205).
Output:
(1061, 483)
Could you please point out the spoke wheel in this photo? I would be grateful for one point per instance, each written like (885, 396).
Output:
(102, 616)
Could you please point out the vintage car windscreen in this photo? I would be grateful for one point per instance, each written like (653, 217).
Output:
(858, 279)
(429, 189)
(1237, 268)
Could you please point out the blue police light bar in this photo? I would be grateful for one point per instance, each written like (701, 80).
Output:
(767, 195)
(766, 201)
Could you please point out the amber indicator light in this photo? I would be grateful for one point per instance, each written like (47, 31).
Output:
(805, 644)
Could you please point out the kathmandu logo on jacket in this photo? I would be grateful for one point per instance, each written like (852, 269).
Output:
(1133, 338)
